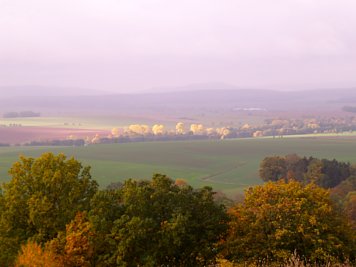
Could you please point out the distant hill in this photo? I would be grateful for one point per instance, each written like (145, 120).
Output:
(69, 100)
(196, 87)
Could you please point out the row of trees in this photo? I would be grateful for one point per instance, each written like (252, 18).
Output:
(182, 131)
(21, 114)
(325, 173)
(58, 142)
(271, 127)
(53, 214)
(351, 109)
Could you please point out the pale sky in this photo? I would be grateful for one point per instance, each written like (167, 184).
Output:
(135, 45)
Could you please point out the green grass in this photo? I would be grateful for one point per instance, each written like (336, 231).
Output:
(84, 122)
(229, 165)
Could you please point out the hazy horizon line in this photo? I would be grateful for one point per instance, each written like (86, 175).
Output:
(213, 86)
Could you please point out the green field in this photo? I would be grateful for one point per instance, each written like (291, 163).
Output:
(102, 123)
(229, 165)
(107, 122)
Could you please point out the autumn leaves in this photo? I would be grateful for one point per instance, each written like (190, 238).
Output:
(53, 213)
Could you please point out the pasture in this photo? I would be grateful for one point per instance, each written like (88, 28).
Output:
(227, 165)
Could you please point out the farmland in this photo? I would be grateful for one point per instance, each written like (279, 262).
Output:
(229, 165)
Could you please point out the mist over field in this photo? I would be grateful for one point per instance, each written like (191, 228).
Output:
(138, 46)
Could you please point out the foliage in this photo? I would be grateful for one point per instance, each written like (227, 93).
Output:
(335, 172)
(43, 195)
(163, 222)
(159, 223)
(345, 187)
(279, 218)
(114, 186)
(106, 209)
(325, 173)
(32, 254)
(181, 182)
(273, 168)
(76, 247)
(350, 207)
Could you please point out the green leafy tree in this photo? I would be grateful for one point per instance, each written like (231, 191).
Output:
(325, 173)
(273, 168)
(296, 167)
(314, 172)
(159, 223)
(279, 218)
(106, 208)
(334, 172)
(43, 195)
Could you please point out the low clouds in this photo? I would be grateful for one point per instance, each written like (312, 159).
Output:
(134, 45)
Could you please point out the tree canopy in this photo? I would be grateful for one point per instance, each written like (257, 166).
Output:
(159, 223)
(43, 195)
(52, 214)
(323, 172)
(142, 223)
(277, 219)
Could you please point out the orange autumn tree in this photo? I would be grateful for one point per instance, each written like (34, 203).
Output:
(74, 249)
(76, 246)
(79, 247)
(32, 254)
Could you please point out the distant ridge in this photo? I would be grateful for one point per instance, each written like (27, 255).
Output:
(195, 97)
(195, 87)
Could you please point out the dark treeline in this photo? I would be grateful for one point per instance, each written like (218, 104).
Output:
(21, 114)
(116, 140)
(57, 142)
(52, 213)
(349, 109)
(4, 145)
(325, 173)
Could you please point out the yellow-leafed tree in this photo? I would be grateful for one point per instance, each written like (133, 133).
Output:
(180, 128)
(197, 129)
(158, 129)
(277, 219)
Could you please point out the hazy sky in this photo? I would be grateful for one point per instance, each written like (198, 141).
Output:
(131, 45)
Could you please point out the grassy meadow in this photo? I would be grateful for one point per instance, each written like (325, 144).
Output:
(80, 122)
(227, 165)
